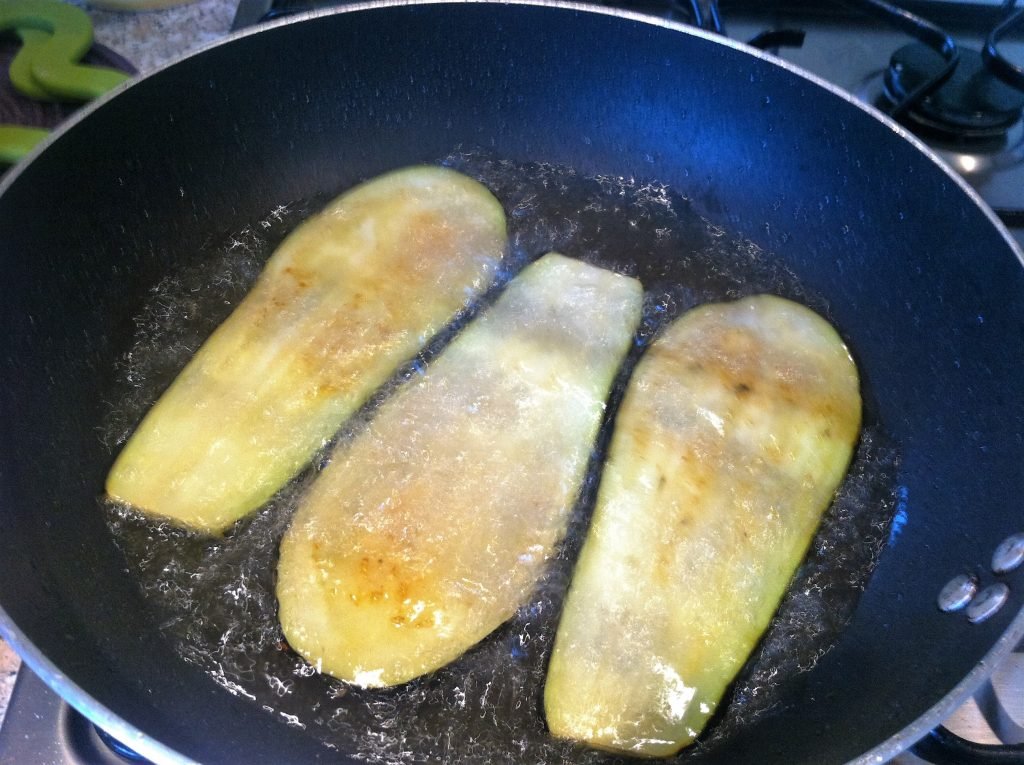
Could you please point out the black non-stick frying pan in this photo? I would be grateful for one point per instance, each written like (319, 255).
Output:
(918, 276)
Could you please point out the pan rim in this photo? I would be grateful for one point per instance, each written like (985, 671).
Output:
(85, 703)
(145, 743)
(933, 717)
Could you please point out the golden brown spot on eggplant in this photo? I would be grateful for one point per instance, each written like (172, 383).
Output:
(302, 276)
(325, 390)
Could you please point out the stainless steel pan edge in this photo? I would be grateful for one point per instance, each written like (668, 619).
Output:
(77, 697)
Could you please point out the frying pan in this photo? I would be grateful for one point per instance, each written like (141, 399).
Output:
(921, 279)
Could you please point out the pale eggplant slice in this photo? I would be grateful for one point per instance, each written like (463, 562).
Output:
(434, 524)
(737, 427)
(347, 297)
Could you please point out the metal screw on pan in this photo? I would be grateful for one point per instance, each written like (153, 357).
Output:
(958, 592)
(987, 603)
(1009, 555)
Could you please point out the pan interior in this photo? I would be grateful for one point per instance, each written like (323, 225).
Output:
(215, 598)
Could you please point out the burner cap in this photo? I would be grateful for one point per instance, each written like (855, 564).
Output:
(972, 103)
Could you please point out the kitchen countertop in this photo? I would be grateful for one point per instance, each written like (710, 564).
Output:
(148, 39)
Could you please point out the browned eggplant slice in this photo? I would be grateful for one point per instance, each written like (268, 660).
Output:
(737, 427)
(433, 525)
(346, 298)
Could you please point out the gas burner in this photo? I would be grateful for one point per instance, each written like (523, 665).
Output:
(972, 105)
(992, 165)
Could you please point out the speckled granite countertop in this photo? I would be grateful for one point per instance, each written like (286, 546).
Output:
(151, 38)
(147, 39)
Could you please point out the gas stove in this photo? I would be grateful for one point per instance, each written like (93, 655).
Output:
(970, 115)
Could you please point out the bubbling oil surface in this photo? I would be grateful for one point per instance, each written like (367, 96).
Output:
(215, 597)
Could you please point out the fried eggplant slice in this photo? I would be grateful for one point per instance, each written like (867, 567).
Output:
(736, 429)
(434, 524)
(352, 293)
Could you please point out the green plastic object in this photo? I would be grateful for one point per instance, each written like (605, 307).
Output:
(17, 141)
(55, 36)
(20, 71)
